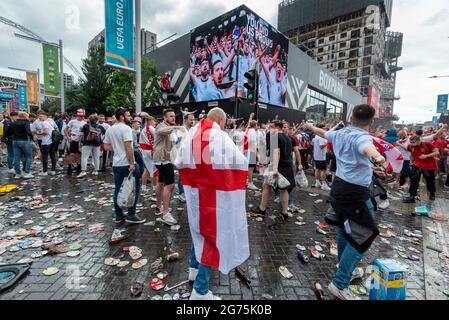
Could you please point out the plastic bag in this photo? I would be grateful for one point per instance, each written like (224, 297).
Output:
(301, 179)
(279, 181)
(126, 195)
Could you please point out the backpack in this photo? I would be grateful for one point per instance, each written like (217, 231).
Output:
(56, 136)
(94, 136)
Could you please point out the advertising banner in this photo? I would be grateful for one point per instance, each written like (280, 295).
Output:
(224, 49)
(32, 89)
(119, 34)
(51, 69)
(442, 103)
(23, 98)
(6, 95)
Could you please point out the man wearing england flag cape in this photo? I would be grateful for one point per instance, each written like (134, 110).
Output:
(213, 172)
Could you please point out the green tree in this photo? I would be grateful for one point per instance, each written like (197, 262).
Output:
(123, 87)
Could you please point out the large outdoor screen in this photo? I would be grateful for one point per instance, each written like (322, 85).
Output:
(223, 50)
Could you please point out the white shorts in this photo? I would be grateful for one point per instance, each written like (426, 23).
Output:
(148, 160)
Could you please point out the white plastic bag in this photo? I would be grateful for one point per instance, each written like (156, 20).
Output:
(301, 179)
(279, 181)
(127, 193)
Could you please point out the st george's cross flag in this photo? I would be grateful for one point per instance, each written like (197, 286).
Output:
(393, 156)
(213, 172)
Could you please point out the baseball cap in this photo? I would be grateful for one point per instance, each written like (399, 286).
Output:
(80, 113)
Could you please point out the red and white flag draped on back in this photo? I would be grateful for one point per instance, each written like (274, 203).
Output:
(393, 156)
(213, 172)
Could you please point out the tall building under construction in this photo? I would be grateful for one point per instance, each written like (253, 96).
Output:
(349, 38)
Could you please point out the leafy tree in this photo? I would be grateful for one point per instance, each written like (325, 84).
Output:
(123, 87)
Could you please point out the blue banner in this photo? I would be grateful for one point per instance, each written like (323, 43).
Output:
(6, 95)
(442, 103)
(119, 34)
(435, 120)
(23, 97)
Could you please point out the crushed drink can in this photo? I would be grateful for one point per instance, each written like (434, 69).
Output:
(302, 257)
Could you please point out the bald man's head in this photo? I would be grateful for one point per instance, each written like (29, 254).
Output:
(217, 115)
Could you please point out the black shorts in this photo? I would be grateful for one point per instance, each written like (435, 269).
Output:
(252, 160)
(287, 172)
(74, 147)
(166, 173)
(320, 165)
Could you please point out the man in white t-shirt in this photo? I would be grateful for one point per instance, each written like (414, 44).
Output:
(72, 133)
(319, 157)
(119, 138)
(44, 129)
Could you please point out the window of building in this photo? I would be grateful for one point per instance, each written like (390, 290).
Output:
(342, 54)
(321, 41)
(365, 81)
(343, 35)
(352, 73)
(355, 33)
(366, 61)
(342, 45)
(320, 50)
(341, 65)
(353, 63)
(368, 51)
(355, 44)
(369, 40)
(354, 53)
(332, 38)
(366, 71)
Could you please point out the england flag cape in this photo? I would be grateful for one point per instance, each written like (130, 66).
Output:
(213, 172)
(393, 156)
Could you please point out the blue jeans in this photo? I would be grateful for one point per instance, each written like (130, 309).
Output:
(120, 174)
(10, 156)
(22, 149)
(201, 284)
(348, 256)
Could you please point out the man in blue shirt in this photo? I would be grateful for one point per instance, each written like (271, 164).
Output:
(353, 147)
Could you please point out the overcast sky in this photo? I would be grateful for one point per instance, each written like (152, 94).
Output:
(425, 25)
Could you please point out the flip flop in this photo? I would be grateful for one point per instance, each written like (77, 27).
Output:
(122, 264)
(285, 273)
(50, 271)
(111, 261)
(139, 264)
(162, 275)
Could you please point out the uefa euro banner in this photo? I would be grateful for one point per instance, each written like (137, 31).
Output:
(224, 49)
(119, 34)
(51, 69)
(23, 99)
(32, 89)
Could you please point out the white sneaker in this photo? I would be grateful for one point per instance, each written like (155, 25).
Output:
(345, 294)
(384, 204)
(28, 176)
(192, 274)
(168, 219)
(208, 296)
(95, 173)
(143, 189)
(277, 200)
(18, 176)
(318, 184)
(358, 273)
(251, 186)
(11, 171)
(52, 173)
(325, 187)
(43, 174)
(82, 175)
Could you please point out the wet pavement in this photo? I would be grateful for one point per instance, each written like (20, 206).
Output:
(77, 207)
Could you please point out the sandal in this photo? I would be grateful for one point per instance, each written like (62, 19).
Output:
(285, 273)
